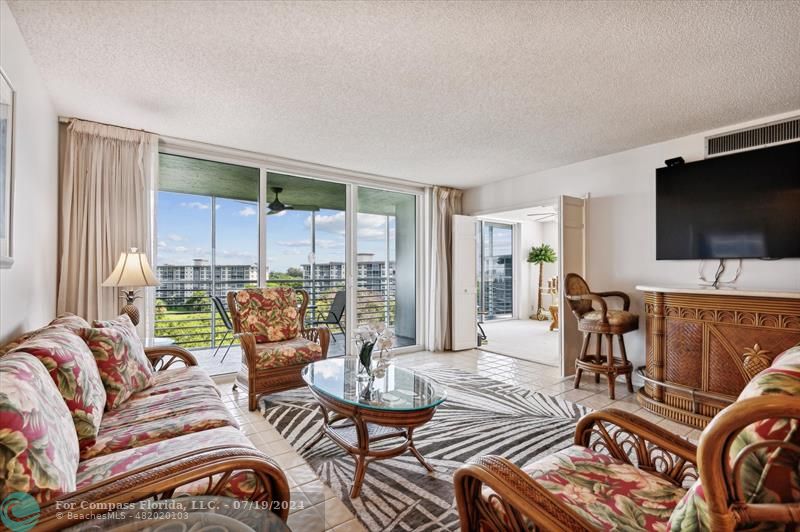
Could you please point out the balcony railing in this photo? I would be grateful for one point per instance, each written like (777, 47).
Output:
(185, 314)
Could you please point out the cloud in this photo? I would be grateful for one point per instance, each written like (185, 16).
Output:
(162, 244)
(181, 249)
(248, 211)
(175, 237)
(295, 243)
(195, 205)
(370, 226)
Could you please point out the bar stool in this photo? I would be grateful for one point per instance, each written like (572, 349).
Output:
(601, 323)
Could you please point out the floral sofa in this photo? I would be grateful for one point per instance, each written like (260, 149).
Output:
(78, 426)
(625, 473)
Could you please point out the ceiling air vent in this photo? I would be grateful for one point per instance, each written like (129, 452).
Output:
(755, 137)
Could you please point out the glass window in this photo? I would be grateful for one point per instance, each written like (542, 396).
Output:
(495, 270)
(207, 225)
(386, 276)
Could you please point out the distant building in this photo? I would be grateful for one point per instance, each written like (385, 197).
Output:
(179, 282)
(371, 273)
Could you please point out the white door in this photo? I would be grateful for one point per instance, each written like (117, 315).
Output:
(464, 296)
(572, 239)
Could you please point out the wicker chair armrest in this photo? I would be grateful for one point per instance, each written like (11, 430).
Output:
(636, 441)
(594, 298)
(248, 343)
(212, 466)
(163, 357)
(626, 300)
(515, 502)
(320, 335)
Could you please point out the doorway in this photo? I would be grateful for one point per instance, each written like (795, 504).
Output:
(517, 262)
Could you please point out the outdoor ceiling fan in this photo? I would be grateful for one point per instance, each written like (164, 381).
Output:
(276, 205)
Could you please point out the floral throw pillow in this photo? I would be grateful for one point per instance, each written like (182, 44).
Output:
(269, 313)
(117, 349)
(37, 438)
(72, 368)
(70, 321)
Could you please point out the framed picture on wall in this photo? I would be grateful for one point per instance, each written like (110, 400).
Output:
(7, 127)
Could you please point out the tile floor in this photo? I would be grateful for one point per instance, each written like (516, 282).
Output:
(322, 511)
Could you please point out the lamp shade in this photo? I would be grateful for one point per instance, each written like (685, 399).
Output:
(132, 269)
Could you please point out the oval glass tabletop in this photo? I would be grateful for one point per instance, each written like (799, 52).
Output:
(396, 389)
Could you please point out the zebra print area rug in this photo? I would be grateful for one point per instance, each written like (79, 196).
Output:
(480, 416)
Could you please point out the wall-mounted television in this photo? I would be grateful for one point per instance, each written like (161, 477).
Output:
(744, 205)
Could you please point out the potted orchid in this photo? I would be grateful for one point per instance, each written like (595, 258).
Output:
(371, 336)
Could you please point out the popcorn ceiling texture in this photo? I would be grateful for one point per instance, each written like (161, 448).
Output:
(457, 93)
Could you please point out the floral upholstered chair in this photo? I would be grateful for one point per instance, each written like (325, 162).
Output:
(625, 473)
(276, 346)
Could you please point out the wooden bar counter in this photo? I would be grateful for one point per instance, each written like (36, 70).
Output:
(703, 345)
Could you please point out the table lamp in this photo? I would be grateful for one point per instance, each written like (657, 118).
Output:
(132, 271)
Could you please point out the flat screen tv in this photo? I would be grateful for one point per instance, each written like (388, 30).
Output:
(745, 205)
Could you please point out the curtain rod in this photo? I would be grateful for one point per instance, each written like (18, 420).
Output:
(67, 119)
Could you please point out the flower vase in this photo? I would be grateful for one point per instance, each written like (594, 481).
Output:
(365, 357)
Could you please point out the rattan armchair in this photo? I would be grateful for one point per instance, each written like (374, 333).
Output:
(266, 380)
(494, 494)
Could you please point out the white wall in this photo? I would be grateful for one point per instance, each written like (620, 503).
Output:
(530, 235)
(28, 289)
(621, 245)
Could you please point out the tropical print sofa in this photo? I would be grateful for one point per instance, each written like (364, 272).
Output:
(625, 473)
(89, 416)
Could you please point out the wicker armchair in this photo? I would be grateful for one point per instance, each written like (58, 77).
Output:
(624, 472)
(274, 366)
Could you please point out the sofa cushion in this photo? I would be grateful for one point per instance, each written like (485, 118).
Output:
(269, 313)
(767, 475)
(144, 419)
(607, 493)
(175, 379)
(287, 353)
(72, 368)
(615, 317)
(38, 443)
(101, 468)
(119, 354)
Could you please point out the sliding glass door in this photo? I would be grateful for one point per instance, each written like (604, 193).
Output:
(306, 247)
(207, 245)
(495, 270)
(222, 227)
(386, 282)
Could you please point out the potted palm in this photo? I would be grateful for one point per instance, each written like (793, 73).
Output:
(540, 255)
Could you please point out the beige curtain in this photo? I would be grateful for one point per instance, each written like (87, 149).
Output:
(107, 189)
(445, 202)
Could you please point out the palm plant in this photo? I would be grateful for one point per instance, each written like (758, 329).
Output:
(541, 255)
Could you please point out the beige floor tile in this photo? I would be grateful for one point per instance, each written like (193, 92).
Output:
(308, 520)
(575, 396)
(288, 460)
(354, 525)
(336, 513)
(302, 474)
(596, 401)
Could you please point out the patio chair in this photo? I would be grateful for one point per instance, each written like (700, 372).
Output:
(335, 313)
(226, 321)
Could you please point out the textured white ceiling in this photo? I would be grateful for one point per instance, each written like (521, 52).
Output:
(456, 93)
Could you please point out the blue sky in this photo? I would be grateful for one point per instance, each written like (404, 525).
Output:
(184, 233)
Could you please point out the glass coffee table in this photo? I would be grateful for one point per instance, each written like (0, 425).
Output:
(359, 411)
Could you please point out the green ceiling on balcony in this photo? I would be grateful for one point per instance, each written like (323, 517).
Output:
(210, 178)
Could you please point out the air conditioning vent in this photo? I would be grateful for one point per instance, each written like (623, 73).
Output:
(756, 137)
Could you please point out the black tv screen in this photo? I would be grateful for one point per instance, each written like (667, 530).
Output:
(745, 205)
